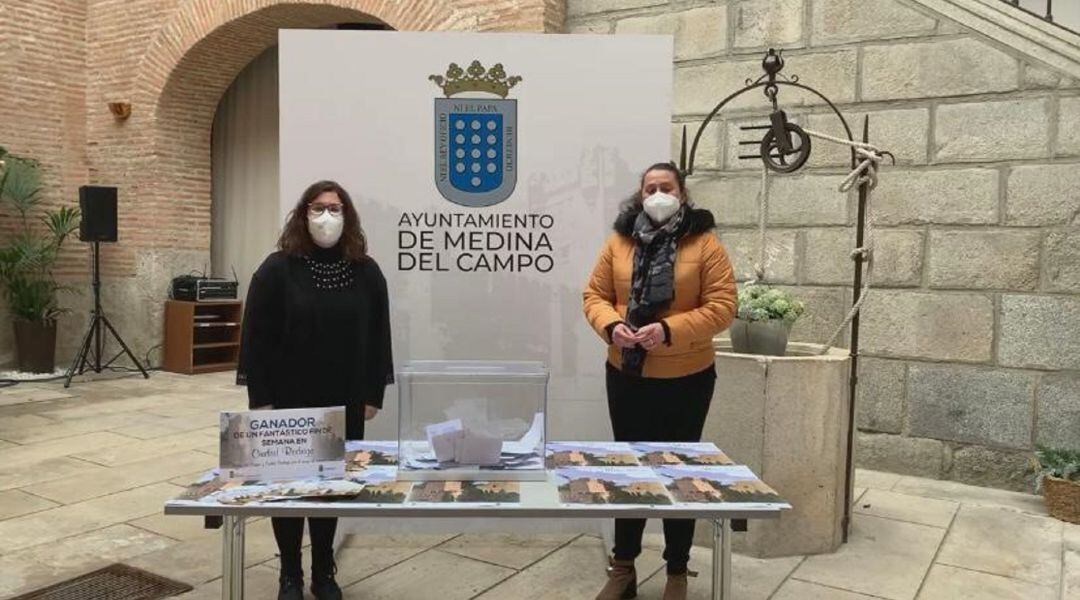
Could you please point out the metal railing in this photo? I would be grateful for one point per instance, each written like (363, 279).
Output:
(1044, 9)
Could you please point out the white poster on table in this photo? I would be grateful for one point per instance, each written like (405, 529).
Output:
(274, 445)
(487, 170)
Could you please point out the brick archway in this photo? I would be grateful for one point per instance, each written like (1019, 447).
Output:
(196, 55)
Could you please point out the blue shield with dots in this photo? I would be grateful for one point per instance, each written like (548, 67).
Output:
(475, 150)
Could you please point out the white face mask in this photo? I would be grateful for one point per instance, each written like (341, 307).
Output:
(660, 207)
(325, 229)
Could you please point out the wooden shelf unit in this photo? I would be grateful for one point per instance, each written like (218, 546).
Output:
(202, 337)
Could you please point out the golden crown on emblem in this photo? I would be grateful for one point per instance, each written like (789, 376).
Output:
(475, 79)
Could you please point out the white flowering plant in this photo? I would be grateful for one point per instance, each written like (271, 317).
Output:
(759, 302)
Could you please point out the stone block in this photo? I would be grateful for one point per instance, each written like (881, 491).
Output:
(1043, 194)
(768, 23)
(971, 404)
(792, 425)
(698, 32)
(988, 259)
(732, 200)
(879, 397)
(902, 132)
(853, 20)
(937, 68)
(1061, 260)
(1058, 400)
(707, 155)
(946, 197)
(1068, 141)
(936, 326)
(897, 252)
(1036, 77)
(1001, 130)
(577, 8)
(993, 467)
(900, 454)
(590, 27)
(807, 200)
(1039, 332)
(826, 256)
(825, 311)
(699, 88)
(743, 248)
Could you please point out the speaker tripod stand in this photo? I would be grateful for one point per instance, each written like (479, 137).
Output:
(92, 343)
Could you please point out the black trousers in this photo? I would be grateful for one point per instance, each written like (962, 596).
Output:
(648, 409)
(289, 531)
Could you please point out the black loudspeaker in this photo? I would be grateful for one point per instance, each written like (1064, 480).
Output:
(98, 207)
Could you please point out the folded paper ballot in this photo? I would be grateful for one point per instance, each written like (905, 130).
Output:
(451, 442)
(443, 438)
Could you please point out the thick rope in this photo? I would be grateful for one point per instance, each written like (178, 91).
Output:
(763, 215)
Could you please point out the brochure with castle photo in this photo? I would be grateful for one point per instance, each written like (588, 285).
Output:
(606, 485)
(380, 486)
(466, 492)
(360, 455)
(590, 454)
(733, 485)
(680, 453)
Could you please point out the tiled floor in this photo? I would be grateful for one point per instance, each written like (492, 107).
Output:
(83, 474)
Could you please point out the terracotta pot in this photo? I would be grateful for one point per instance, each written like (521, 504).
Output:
(35, 346)
(1062, 498)
(760, 337)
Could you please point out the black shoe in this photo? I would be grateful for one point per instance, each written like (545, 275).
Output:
(291, 587)
(323, 585)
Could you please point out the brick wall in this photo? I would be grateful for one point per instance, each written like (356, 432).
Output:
(62, 61)
(971, 335)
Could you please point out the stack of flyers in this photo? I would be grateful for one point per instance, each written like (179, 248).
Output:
(590, 454)
(732, 485)
(360, 455)
(380, 486)
(248, 492)
(466, 492)
(605, 485)
(680, 453)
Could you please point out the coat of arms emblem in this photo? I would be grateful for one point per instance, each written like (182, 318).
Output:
(475, 135)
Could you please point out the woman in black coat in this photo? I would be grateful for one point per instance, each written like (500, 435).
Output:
(316, 333)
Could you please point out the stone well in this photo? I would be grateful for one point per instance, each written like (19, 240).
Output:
(786, 417)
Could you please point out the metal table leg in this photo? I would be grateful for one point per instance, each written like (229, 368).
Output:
(721, 560)
(232, 558)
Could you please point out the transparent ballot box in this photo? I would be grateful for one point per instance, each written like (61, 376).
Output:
(472, 420)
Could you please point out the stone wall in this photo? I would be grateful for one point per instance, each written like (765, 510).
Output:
(971, 339)
(62, 61)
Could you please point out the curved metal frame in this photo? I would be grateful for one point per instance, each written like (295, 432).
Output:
(772, 64)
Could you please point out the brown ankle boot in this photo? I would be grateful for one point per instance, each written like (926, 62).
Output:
(677, 585)
(621, 583)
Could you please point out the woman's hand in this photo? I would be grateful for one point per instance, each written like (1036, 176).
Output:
(623, 337)
(650, 336)
(370, 412)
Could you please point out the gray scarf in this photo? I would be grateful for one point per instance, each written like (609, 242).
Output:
(652, 285)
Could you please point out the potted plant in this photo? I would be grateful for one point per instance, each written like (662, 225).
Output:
(764, 320)
(27, 259)
(1059, 480)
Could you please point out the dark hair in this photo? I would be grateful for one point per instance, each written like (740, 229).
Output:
(295, 238)
(633, 203)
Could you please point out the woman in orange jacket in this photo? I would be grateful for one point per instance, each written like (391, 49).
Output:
(661, 289)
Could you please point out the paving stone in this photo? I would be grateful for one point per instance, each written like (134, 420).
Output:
(971, 495)
(882, 558)
(1071, 580)
(754, 578)
(259, 582)
(1038, 332)
(971, 404)
(30, 454)
(950, 583)
(15, 503)
(97, 549)
(999, 130)
(907, 508)
(980, 536)
(177, 527)
(953, 67)
(459, 577)
(91, 485)
(508, 550)
(794, 589)
(22, 575)
(135, 451)
(198, 561)
(876, 480)
(944, 197)
(16, 476)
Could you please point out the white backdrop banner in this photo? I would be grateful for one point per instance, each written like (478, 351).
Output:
(487, 170)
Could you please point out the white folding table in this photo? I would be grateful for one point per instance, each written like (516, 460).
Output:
(539, 500)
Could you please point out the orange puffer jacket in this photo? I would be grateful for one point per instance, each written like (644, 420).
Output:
(704, 303)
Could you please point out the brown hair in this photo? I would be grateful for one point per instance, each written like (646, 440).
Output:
(295, 238)
(633, 203)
